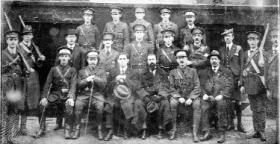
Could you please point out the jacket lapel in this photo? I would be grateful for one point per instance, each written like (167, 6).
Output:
(232, 51)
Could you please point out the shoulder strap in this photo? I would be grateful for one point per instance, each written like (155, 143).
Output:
(8, 56)
(165, 54)
(60, 73)
(179, 73)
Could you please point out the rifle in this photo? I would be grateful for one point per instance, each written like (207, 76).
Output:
(261, 58)
(90, 99)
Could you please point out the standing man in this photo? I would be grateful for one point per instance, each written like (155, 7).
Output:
(149, 33)
(91, 83)
(165, 23)
(108, 55)
(32, 84)
(89, 35)
(185, 92)
(216, 88)
(232, 59)
(59, 92)
(138, 50)
(118, 28)
(166, 58)
(254, 84)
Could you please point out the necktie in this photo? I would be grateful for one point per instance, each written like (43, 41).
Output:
(107, 53)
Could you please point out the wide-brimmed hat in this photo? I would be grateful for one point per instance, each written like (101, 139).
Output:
(214, 53)
(122, 91)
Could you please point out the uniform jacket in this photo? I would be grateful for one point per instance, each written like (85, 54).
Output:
(163, 61)
(158, 28)
(55, 79)
(149, 33)
(185, 36)
(108, 61)
(215, 84)
(185, 82)
(272, 74)
(88, 35)
(121, 32)
(84, 87)
(198, 56)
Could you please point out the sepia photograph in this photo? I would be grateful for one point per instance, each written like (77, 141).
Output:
(139, 72)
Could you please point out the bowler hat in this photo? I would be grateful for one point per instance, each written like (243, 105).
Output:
(122, 91)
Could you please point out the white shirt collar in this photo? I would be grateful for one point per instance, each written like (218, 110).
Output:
(12, 51)
(71, 46)
(107, 49)
(27, 43)
(123, 69)
(191, 26)
(215, 69)
(229, 45)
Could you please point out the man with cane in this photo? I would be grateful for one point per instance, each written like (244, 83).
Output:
(91, 84)
(62, 93)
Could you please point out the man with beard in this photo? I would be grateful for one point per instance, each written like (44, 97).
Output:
(216, 88)
(121, 94)
(89, 35)
(185, 92)
(31, 82)
(254, 84)
(232, 59)
(91, 83)
(185, 34)
(166, 58)
(59, 92)
(165, 23)
(156, 85)
(138, 50)
(118, 28)
(149, 33)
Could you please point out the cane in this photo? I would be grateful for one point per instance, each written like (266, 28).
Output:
(90, 99)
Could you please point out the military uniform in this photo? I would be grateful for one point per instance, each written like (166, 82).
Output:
(108, 60)
(166, 58)
(272, 73)
(149, 33)
(158, 28)
(89, 36)
(185, 36)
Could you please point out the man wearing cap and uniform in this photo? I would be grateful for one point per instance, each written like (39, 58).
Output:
(149, 33)
(216, 88)
(12, 73)
(156, 84)
(185, 92)
(185, 33)
(138, 49)
(165, 23)
(166, 58)
(232, 59)
(77, 57)
(89, 35)
(59, 92)
(254, 84)
(31, 82)
(118, 28)
(121, 94)
(91, 78)
(108, 55)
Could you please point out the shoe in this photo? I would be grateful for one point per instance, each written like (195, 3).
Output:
(206, 136)
(109, 135)
(100, 135)
(67, 134)
(172, 135)
(222, 138)
(195, 138)
(262, 136)
(76, 132)
(253, 135)
(159, 136)
(144, 134)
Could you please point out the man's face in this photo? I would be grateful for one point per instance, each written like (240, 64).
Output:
(87, 17)
(71, 39)
(215, 61)
(139, 15)
(168, 39)
(27, 37)
(165, 16)
(274, 38)
(116, 16)
(181, 58)
(92, 61)
(107, 42)
(229, 38)
(123, 60)
(64, 59)
(253, 41)
(151, 59)
(190, 19)
(197, 37)
(139, 35)
(12, 42)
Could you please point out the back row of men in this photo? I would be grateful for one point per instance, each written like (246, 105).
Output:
(142, 78)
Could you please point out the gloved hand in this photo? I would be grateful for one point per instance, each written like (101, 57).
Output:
(189, 102)
(205, 97)
(44, 102)
(70, 102)
(219, 97)
(181, 100)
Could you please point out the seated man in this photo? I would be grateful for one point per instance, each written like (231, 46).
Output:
(91, 85)
(59, 91)
(216, 86)
(155, 83)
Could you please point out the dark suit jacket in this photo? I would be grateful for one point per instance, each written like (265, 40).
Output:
(272, 73)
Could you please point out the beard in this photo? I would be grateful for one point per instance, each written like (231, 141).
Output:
(152, 66)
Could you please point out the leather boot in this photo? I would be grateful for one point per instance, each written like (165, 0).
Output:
(67, 133)
(23, 130)
(100, 135)
(42, 129)
(195, 131)
(172, 135)
(262, 136)
(206, 136)
(222, 137)
(144, 134)
(76, 131)
(58, 124)
(109, 135)
(159, 136)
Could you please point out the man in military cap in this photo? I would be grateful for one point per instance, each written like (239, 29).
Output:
(59, 92)
(254, 84)
(118, 28)
(138, 49)
(89, 35)
(232, 59)
(155, 83)
(216, 88)
(108, 55)
(165, 23)
(12, 73)
(91, 83)
(35, 60)
(77, 57)
(166, 58)
(185, 92)
(149, 33)
(185, 32)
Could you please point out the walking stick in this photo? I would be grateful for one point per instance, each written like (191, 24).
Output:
(90, 99)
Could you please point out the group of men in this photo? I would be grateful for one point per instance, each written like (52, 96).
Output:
(135, 71)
